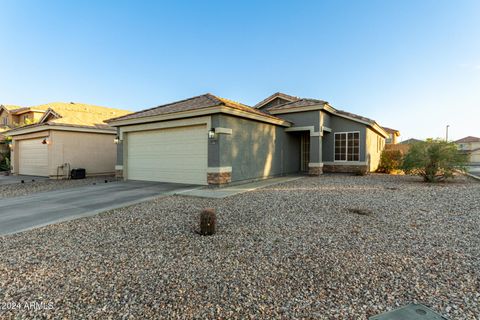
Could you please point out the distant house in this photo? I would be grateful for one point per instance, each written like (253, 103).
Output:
(471, 146)
(213, 140)
(393, 135)
(68, 135)
(410, 141)
(15, 116)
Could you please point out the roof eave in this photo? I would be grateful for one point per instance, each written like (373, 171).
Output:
(56, 126)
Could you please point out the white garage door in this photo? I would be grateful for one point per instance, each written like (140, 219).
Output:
(168, 155)
(33, 157)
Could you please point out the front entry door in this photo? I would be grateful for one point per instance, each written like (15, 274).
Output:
(304, 151)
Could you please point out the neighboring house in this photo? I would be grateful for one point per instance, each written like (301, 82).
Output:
(211, 140)
(393, 135)
(410, 141)
(15, 116)
(69, 135)
(471, 146)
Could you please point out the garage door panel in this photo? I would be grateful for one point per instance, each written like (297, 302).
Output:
(33, 157)
(168, 155)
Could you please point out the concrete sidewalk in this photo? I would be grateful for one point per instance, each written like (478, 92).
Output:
(220, 193)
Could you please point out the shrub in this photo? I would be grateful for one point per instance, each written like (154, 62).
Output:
(390, 161)
(5, 162)
(208, 221)
(434, 160)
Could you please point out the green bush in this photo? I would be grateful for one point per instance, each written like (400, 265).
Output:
(5, 162)
(390, 161)
(434, 160)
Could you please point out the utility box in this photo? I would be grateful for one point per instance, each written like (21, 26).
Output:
(78, 173)
(410, 312)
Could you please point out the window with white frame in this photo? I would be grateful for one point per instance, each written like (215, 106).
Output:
(347, 146)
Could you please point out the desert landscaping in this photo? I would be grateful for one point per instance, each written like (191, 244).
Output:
(334, 247)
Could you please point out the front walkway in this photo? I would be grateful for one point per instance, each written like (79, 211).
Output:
(223, 192)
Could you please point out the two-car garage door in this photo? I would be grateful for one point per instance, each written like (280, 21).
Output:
(33, 157)
(168, 155)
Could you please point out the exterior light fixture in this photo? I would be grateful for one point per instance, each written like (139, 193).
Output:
(211, 133)
(116, 140)
(45, 141)
(10, 145)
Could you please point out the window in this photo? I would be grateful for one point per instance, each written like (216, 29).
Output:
(347, 146)
(5, 121)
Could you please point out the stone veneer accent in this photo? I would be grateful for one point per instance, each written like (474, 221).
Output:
(315, 171)
(119, 173)
(219, 178)
(361, 168)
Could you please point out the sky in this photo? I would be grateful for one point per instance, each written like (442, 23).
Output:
(410, 65)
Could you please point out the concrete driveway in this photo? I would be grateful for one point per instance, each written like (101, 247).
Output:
(475, 170)
(40, 209)
(18, 179)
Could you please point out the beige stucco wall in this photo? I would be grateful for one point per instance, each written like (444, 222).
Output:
(96, 152)
(475, 156)
(375, 144)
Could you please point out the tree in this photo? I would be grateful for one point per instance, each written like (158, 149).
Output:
(435, 160)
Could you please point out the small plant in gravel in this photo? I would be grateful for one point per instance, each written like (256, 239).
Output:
(434, 160)
(361, 211)
(208, 221)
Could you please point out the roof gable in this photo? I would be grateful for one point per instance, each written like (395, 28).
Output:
(468, 139)
(277, 96)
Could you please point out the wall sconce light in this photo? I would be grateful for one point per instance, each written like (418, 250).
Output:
(10, 145)
(45, 141)
(116, 140)
(211, 133)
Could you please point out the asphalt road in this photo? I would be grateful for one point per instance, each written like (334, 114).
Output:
(40, 209)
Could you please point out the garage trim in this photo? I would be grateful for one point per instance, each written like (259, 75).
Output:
(164, 125)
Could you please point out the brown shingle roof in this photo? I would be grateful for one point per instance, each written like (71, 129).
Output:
(356, 116)
(10, 107)
(77, 115)
(195, 103)
(390, 130)
(468, 139)
(298, 104)
(276, 95)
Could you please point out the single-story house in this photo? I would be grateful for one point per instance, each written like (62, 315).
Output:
(211, 140)
(69, 135)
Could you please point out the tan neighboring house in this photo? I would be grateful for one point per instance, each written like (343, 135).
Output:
(67, 136)
(471, 146)
(15, 116)
(393, 135)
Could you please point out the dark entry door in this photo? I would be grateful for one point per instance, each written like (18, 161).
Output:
(304, 151)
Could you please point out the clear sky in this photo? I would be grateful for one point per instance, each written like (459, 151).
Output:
(413, 65)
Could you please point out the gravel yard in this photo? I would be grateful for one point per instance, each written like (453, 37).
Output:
(29, 187)
(334, 247)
